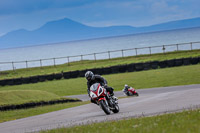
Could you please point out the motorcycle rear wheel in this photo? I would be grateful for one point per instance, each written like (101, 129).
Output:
(136, 94)
(105, 107)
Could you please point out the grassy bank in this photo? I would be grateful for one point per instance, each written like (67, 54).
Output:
(183, 122)
(96, 64)
(22, 113)
(13, 97)
(183, 75)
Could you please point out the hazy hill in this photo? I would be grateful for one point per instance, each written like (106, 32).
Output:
(67, 30)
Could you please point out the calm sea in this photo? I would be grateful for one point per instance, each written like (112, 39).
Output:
(93, 46)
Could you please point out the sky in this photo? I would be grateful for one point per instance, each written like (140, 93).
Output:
(32, 14)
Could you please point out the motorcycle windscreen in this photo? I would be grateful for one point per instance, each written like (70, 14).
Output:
(94, 87)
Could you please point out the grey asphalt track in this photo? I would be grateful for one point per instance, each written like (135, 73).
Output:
(150, 102)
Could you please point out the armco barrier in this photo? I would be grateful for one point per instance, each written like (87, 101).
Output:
(178, 62)
(195, 60)
(25, 80)
(163, 64)
(107, 70)
(154, 64)
(9, 82)
(186, 61)
(98, 71)
(34, 104)
(34, 79)
(139, 66)
(74, 74)
(171, 63)
(102, 71)
(115, 69)
(17, 81)
(199, 59)
(2, 83)
(66, 75)
(131, 67)
(122, 68)
(95, 70)
(50, 77)
(147, 65)
(82, 73)
(42, 78)
(58, 76)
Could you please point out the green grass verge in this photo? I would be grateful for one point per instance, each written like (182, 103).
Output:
(96, 64)
(13, 97)
(22, 113)
(183, 122)
(183, 75)
(175, 76)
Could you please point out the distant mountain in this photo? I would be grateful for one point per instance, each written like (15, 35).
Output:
(68, 30)
(172, 25)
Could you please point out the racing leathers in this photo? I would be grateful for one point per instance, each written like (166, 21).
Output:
(102, 81)
(125, 90)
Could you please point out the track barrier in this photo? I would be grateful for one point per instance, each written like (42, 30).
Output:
(103, 71)
(35, 104)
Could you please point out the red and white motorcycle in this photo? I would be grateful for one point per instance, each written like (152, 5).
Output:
(103, 99)
(130, 91)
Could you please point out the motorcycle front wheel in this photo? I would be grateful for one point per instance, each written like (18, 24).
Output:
(105, 107)
(116, 110)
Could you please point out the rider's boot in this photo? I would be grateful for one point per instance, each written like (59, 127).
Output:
(113, 97)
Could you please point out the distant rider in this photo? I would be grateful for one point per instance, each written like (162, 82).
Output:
(92, 79)
(125, 90)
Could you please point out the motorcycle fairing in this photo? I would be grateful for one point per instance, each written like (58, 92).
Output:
(96, 90)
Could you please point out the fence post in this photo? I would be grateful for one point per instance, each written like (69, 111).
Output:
(81, 57)
(13, 66)
(150, 50)
(163, 48)
(40, 63)
(26, 64)
(54, 61)
(68, 60)
(136, 51)
(95, 56)
(109, 54)
(177, 46)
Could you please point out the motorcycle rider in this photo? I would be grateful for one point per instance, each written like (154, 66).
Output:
(126, 87)
(92, 79)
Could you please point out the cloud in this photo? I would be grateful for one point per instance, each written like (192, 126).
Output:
(170, 10)
(27, 6)
(31, 14)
